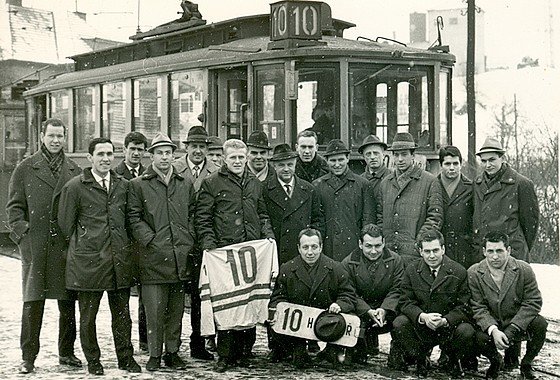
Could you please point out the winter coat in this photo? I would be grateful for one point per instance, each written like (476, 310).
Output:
(348, 204)
(231, 210)
(161, 219)
(376, 285)
(123, 171)
(376, 178)
(406, 212)
(289, 216)
(518, 301)
(183, 169)
(510, 206)
(331, 284)
(32, 211)
(447, 294)
(94, 220)
(457, 223)
(313, 170)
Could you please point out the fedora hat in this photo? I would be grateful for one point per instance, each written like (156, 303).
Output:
(491, 145)
(329, 327)
(336, 146)
(258, 139)
(215, 142)
(196, 134)
(283, 152)
(402, 141)
(161, 140)
(371, 140)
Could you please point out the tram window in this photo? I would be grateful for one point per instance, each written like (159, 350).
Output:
(59, 108)
(114, 112)
(147, 106)
(443, 110)
(84, 117)
(186, 103)
(270, 95)
(318, 102)
(388, 99)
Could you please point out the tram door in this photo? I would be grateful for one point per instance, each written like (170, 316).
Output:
(232, 104)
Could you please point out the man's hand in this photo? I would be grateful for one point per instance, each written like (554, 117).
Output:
(431, 320)
(334, 308)
(271, 316)
(378, 316)
(500, 339)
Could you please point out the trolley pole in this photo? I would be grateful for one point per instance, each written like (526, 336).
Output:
(471, 101)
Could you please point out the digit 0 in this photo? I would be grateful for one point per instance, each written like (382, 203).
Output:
(295, 320)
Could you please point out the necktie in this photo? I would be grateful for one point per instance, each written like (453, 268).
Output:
(133, 172)
(104, 184)
(288, 190)
(434, 273)
(195, 171)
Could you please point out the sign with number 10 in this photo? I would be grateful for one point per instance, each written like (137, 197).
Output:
(295, 19)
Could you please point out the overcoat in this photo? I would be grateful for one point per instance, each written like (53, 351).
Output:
(447, 294)
(518, 300)
(331, 284)
(313, 170)
(509, 205)
(231, 210)
(183, 169)
(376, 178)
(348, 204)
(32, 211)
(405, 212)
(161, 219)
(289, 216)
(457, 223)
(99, 253)
(122, 170)
(376, 284)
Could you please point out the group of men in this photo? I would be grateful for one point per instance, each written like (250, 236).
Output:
(367, 244)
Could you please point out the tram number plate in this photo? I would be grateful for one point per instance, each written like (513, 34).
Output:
(295, 19)
(298, 321)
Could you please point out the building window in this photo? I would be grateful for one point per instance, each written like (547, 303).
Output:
(84, 121)
(147, 106)
(113, 119)
(186, 103)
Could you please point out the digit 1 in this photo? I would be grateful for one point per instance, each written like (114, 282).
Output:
(230, 259)
(296, 12)
(286, 312)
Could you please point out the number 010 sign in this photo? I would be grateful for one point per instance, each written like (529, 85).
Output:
(295, 19)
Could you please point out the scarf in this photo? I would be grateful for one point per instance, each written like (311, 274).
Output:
(54, 160)
(402, 177)
(166, 178)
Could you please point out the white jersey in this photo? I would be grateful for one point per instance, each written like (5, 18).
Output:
(235, 285)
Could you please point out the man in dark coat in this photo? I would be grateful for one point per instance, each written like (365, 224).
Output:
(506, 303)
(135, 144)
(258, 153)
(376, 274)
(309, 165)
(347, 201)
(504, 200)
(92, 215)
(310, 279)
(373, 151)
(160, 212)
(231, 209)
(456, 190)
(32, 210)
(292, 203)
(410, 201)
(434, 308)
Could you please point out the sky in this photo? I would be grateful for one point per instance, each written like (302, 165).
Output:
(508, 23)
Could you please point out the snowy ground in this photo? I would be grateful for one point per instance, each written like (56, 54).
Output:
(47, 363)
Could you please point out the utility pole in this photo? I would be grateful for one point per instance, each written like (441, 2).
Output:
(471, 101)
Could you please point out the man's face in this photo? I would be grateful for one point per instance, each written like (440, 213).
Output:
(236, 160)
(373, 155)
(491, 162)
(285, 169)
(451, 167)
(216, 156)
(258, 158)
(53, 138)
(432, 252)
(162, 157)
(133, 153)
(196, 151)
(101, 159)
(310, 248)
(403, 159)
(338, 163)
(306, 148)
(496, 254)
(372, 247)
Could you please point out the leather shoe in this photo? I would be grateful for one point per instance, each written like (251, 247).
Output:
(172, 360)
(70, 360)
(222, 366)
(527, 372)
(154, 363)
(201, 354)
(211, 344)
(422, 367)
(95, 368)
(27, 366)
(130, 365)
(496, 364)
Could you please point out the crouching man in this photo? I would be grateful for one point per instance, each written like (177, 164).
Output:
(434, 308)
(506, 302)
(310, 279)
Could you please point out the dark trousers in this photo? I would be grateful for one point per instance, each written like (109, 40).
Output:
(196, 340)
(415, 340)
(32, 320)
(142, 329)
(121, 323)
(371, 332)
(235, 344)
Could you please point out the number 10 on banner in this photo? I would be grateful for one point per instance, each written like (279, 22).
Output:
(295, 19)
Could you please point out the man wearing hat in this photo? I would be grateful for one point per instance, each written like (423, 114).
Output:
(160, 212)
(373, 151)
(410, 201)
(347, 200)
(504, 200)
(257, 156)
(215, 151)
(309, 165)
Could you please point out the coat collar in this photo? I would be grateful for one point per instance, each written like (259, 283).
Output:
(150, 173)
(325, 266)
(356, 256)
(42, 171)
(463, 186)
(378, 174)
(510, 275)
(507, 177)
(444, 272)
